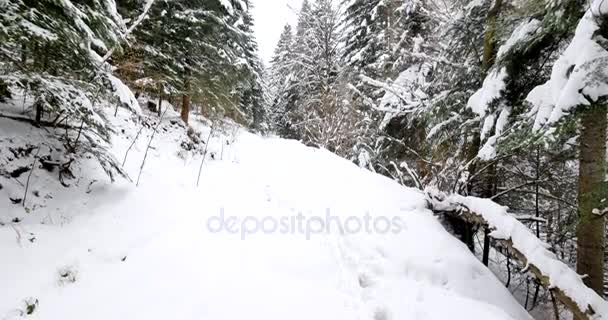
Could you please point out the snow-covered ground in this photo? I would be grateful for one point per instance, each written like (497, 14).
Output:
(98, 250)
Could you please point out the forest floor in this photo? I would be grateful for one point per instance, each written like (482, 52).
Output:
(101, 250)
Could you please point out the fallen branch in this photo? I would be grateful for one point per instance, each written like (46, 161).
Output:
(42, 123)
(554, 275)
(27, 184)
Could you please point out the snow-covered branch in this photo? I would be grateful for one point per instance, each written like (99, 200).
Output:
(553, 274)
(138, 21)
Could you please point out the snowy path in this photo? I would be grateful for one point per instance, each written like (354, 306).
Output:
(147, 253)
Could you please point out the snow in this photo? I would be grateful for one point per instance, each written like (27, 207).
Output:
(507, 227)
(578, 76)
(492, 86)
(402, 90)
(599, 8)
(38, 31)
(437, 128)
(522, 33)
(113, 251)
(488, 125)
(141, 17)
(228, 5)
(488, 151)
(124, 94)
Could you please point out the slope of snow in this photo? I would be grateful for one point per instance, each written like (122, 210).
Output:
(113, 251)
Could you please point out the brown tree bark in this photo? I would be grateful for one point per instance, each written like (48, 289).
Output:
(591, 192)
(160, 102)
(186, 102)
(489, 42)
(185, 107)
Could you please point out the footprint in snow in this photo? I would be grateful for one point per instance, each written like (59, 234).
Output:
(382, 313)
(366, 280)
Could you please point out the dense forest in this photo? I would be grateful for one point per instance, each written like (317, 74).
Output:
(480, 105)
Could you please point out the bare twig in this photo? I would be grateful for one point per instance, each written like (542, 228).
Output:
(160, 121)
(27, 184)
(18, 234)
(500, 194)
(79, 133)
(198, 180)
(132, 144)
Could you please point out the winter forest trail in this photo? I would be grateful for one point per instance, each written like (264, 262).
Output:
(114, 251)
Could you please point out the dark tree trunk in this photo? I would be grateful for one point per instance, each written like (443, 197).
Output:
(591, 191)
(486, 247)
(185, 107)
(39, 111)
(489, 42)
(186, 95)
(160, 103)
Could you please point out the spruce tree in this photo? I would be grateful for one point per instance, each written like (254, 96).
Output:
(578, 87)
(280, 77)
(53, 51)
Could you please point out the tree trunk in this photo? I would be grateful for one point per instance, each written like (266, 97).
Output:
(488, 40)
(490, 184)
(39, 111)
(160, 103)
(185, 107)
(591, 192)
(486, 247)
(471, 153)
(488, 59)
(186, 99)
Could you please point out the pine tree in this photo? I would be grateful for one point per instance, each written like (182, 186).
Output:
(53, 51)
(58, 37)
(315, 72)
(251, 88)
(280, 77)
(578, 86)
(206, 52)
(387, 45)
(360, 34)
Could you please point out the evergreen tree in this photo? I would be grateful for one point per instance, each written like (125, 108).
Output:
(280, 74)
(315, 98)
(250, 91)
(53, 52)
(578, 85)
